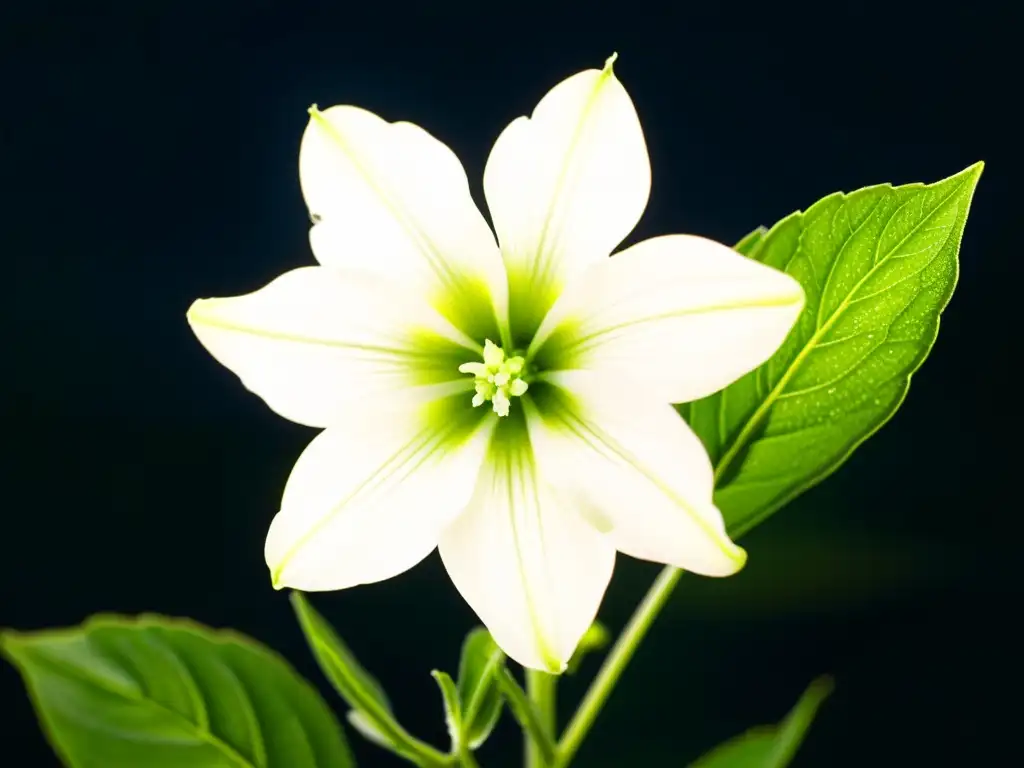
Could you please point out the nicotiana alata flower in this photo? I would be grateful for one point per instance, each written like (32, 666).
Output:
(508, 401)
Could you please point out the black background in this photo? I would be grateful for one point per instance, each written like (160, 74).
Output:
(149, 158)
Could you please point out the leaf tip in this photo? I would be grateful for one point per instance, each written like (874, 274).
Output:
(9, 638)
(971, 173)
(821, 687)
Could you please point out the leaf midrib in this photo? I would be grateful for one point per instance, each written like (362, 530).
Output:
(475, 702)
(762, 410)
(76, 673)
(383, 721)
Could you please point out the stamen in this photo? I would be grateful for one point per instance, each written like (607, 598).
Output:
(497, 379)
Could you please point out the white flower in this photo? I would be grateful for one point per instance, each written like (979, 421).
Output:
(507, 404)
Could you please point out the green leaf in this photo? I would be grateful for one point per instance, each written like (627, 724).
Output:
(367, 729)
(338, 663)
(878, 267)
(480, 663)
(751, 241)
(452, 707)
(359, 688)
(595, 638)
(122, 692)
(526, 714)
(771, 746)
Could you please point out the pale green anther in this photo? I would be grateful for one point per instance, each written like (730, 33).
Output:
(496, 379)
(477, 369)
(500, 402)
(493, 354)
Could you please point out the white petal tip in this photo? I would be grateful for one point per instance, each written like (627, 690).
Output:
(195, 311)
(739, 557)
(545, 663)
(212, 311)
(787, 292)
(205, 312)
(276, 580)
(610, 62)
(734, 561)
(725, 560)
(796, 294)
(556, 667)
(320, 120)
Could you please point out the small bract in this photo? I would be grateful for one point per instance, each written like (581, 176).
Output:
(506, 400)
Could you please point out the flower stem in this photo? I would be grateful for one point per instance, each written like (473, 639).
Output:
(541, 689)
(614, 664)
(466, 758)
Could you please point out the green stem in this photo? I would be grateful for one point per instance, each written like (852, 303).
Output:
(466, 758)
(524, 711)
(541, 689)
(614, 664)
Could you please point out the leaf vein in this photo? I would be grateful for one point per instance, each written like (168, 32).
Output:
(762, 410)
(76, 673)
(823, 295)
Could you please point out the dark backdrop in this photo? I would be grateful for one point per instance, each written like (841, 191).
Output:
(149, 158)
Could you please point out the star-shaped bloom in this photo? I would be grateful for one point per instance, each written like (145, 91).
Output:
(505, 400)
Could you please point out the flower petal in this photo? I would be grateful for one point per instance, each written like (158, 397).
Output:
(635, 470)
(685, 314)
(392, 198)
(565, 186)
(315, 339)
(533, 570)
(368, 500)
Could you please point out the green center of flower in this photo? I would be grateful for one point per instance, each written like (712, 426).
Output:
(497, 378)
